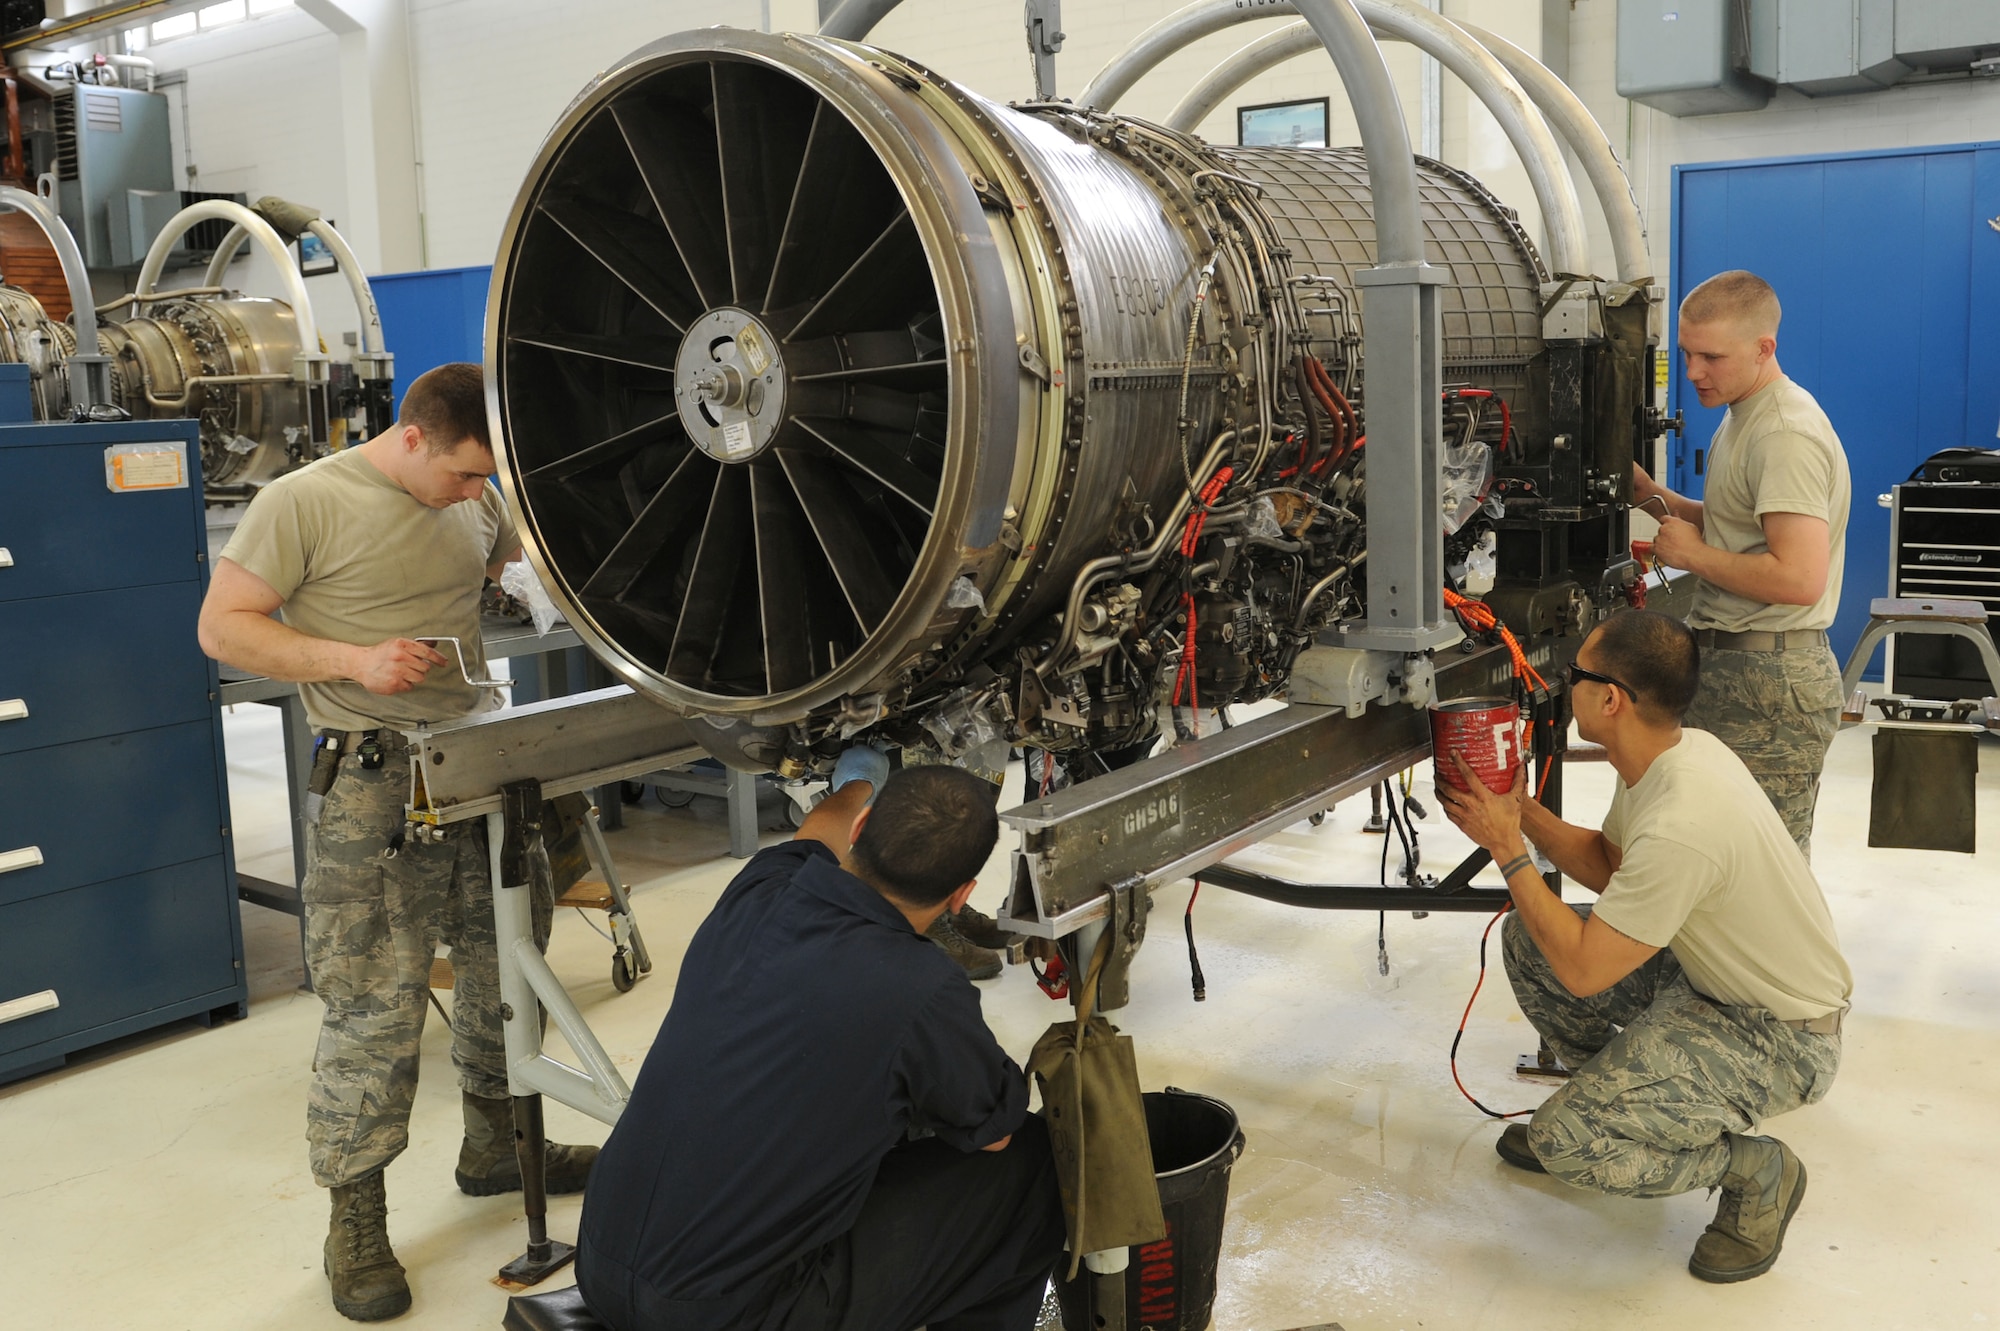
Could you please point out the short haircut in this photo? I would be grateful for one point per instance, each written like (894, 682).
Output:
(1734, 296)
(1654, 655)
(929, 834)
(449, 405)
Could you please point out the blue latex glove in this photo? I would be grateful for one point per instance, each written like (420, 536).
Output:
(861, 763)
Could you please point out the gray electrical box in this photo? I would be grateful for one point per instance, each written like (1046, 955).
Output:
(111, 143)
(1942, 34)
(1824, 47)
(1687, 57)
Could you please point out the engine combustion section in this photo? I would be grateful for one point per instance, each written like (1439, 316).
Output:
(833, 396)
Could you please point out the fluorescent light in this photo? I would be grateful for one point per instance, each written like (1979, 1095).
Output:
(229, 11)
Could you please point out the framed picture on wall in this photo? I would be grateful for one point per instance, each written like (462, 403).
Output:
(314, 257)
(1283, 124)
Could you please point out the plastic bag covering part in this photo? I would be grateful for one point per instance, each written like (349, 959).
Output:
(518, 580)
(790, 339)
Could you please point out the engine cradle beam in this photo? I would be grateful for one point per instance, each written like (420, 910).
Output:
(1176, 814)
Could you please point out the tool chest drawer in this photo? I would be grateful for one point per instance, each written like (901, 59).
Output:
(104, 808)
(69, 669)
(115, 955)
(63, 530)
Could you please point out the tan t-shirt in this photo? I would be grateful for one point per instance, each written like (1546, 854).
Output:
(1710, 871)
(357, 560)
(1775, 452)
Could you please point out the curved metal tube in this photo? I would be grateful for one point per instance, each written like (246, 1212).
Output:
(82, 306)
(350, 268)
(267, 240)
(855, 19)
(89, 371)
(1392, 175)
(1579, 129)
(1555, 192)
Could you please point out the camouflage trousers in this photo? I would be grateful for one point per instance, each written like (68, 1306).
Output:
(373, 923)
(1662, 1074)
(1778, 712)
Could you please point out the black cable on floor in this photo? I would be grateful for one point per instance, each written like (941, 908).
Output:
(1195, 977)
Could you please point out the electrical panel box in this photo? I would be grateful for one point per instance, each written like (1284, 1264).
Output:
(109, 143)
(1687, 57)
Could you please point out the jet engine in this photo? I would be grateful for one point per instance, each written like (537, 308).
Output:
(837, 398)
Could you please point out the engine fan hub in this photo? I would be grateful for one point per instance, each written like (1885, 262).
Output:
(729, 385)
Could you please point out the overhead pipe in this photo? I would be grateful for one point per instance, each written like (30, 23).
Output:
(1566, 113)
(267, 240)
(89, 368)
(1548, 174)
(350, 268)
(1585, 137)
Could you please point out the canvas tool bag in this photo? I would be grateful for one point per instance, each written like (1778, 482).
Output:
(1089, 1080)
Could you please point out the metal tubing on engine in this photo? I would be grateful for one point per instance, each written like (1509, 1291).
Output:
(89, 370)
(266, 238)
(350, 268)
(1579, 129)
(1476, 67)
(855, 19)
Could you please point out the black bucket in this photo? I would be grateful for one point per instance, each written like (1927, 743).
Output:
(1170, 1285)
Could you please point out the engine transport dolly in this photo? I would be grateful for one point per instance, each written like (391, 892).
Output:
(500, 766)
(629, 957)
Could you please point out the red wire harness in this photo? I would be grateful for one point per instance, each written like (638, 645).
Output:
(1184, 679)
(1467, 1015)
(1479, 617)
(1506, 416)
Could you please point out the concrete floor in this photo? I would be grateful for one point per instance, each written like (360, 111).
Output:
(161, 1183)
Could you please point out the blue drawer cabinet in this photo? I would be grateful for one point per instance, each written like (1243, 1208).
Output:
(117, 883)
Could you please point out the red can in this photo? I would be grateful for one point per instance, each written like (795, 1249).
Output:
(1486, 732)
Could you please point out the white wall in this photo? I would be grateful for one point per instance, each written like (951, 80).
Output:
(492, 75)
(254, 111)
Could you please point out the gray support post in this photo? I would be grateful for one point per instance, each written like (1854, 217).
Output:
(1400, 328)
(1045, 37)
(742, 814)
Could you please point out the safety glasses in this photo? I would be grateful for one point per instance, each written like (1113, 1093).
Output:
(1577, 674)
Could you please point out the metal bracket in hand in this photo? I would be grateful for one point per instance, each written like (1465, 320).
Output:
(458, 650)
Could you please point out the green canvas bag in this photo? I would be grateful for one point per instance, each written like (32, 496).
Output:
(1088, 1076)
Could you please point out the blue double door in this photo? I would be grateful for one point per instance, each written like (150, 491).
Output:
(1888, 267)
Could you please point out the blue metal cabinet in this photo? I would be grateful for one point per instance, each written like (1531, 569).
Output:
(1888, 267)
(117, 882)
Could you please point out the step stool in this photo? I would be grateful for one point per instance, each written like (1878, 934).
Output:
(557, 1310)
(1889, 615)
